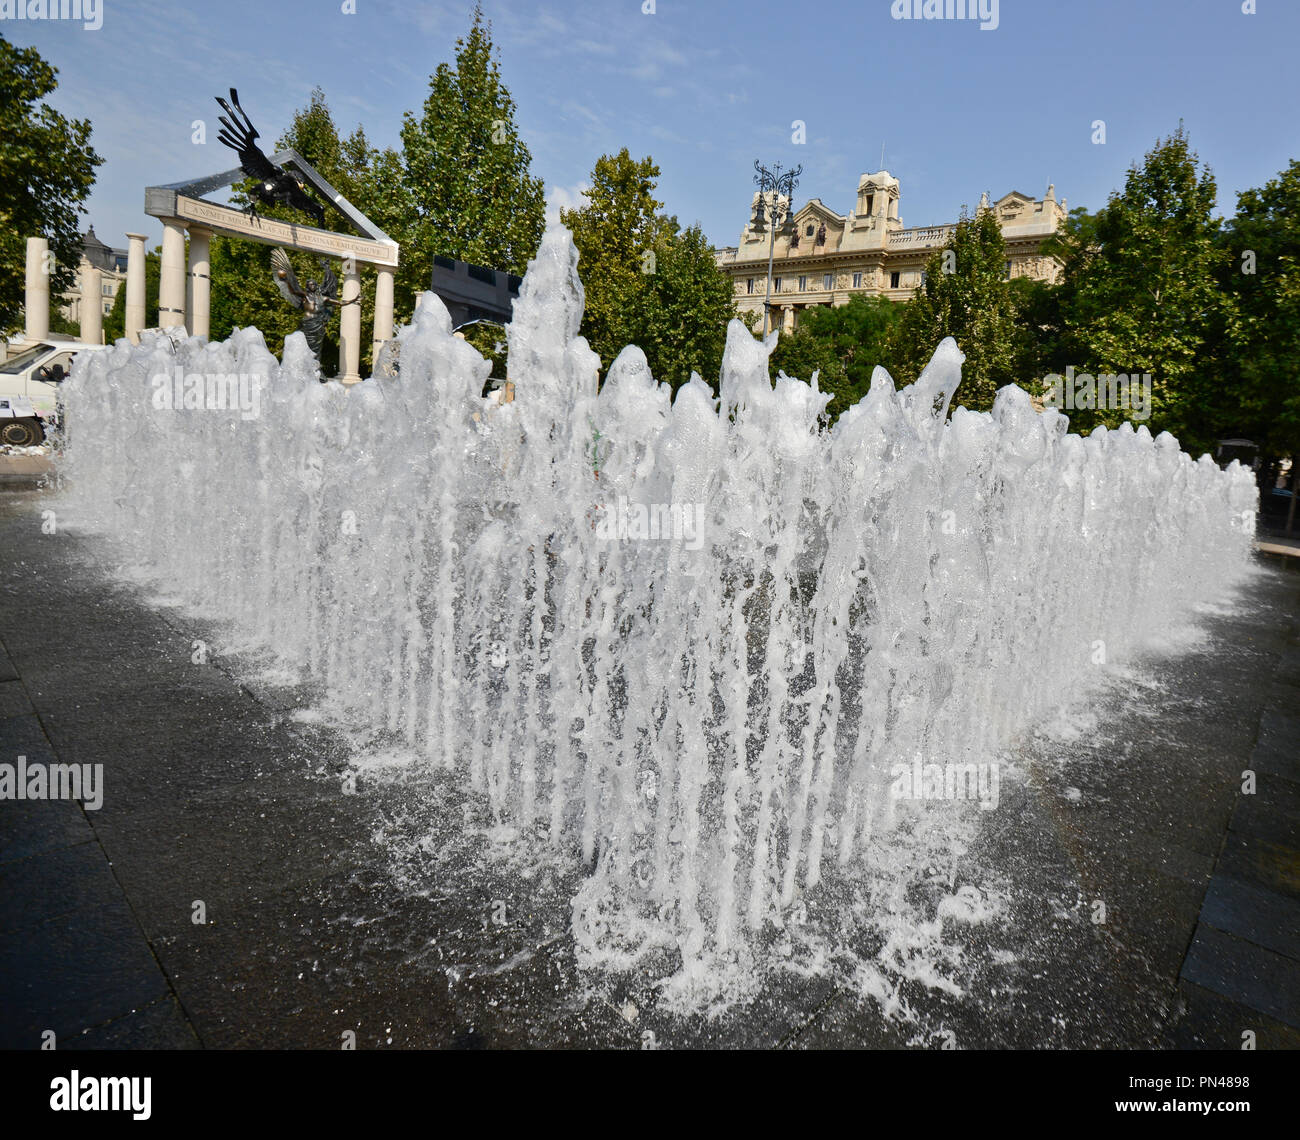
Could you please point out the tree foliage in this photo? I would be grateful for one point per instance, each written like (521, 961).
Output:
(1140, 292)
(47, 169)
(844, 344)
(615, 230)
(647, 282)
(680, 313)
(1253, 392)
(965, 295)
(468, 192)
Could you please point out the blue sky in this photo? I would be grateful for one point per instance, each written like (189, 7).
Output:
(708, 86)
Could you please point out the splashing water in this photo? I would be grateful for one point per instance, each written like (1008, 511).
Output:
(692, 641)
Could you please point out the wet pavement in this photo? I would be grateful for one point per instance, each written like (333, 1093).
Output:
(230, 892)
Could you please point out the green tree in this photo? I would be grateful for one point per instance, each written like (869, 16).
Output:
(844, 343)
(1140, 291)
(62, 325)
(1250, 390)
(1074, 245)
(805, 351)
(647, 282)
(618, 229)
(47, 169)
(965, 295)
(679, 312)
(469, 193)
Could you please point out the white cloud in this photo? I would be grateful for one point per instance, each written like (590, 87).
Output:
(655, 57)
(661, 132)
(592, 47)
(573, 107)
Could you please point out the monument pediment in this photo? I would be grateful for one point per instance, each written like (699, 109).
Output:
(184, 199)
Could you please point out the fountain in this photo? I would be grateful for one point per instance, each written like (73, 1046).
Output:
(694, 645)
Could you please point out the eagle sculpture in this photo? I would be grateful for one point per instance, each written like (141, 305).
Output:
(274, 184)
(314, 300)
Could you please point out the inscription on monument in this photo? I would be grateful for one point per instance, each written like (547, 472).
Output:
(274, 232)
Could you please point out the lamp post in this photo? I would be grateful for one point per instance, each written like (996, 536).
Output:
(779, 185)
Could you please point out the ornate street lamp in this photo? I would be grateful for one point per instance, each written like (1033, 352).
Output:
(779, 185)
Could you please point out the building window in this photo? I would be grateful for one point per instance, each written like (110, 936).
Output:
(803, 284)
(776, 284)
(106, 289)
(893, 279)
(924, 276)
(1006, 271)
(871, 198)
(857, 281)
(107, 308)
(828, 281)
(749, 285)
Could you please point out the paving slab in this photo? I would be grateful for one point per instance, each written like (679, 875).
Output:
(1250, 975)
(82, 969)
(1207, 1020)
(1267, 918)
(51, 884)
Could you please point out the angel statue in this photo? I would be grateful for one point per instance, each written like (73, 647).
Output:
(314, 301)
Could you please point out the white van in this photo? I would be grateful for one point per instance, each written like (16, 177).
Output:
(36, 373)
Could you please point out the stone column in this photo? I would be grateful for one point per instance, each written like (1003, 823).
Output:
(134, 286)
(38, 289)
(199, 292)
(350, 324)
(383, 311)
(171, 285)
(92, 307)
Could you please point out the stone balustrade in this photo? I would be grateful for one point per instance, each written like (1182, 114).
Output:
(922, 236)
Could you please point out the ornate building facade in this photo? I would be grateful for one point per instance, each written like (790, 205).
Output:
(826, 258)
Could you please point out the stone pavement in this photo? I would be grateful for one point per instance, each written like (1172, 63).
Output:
(220, 805)
(1245, 953)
